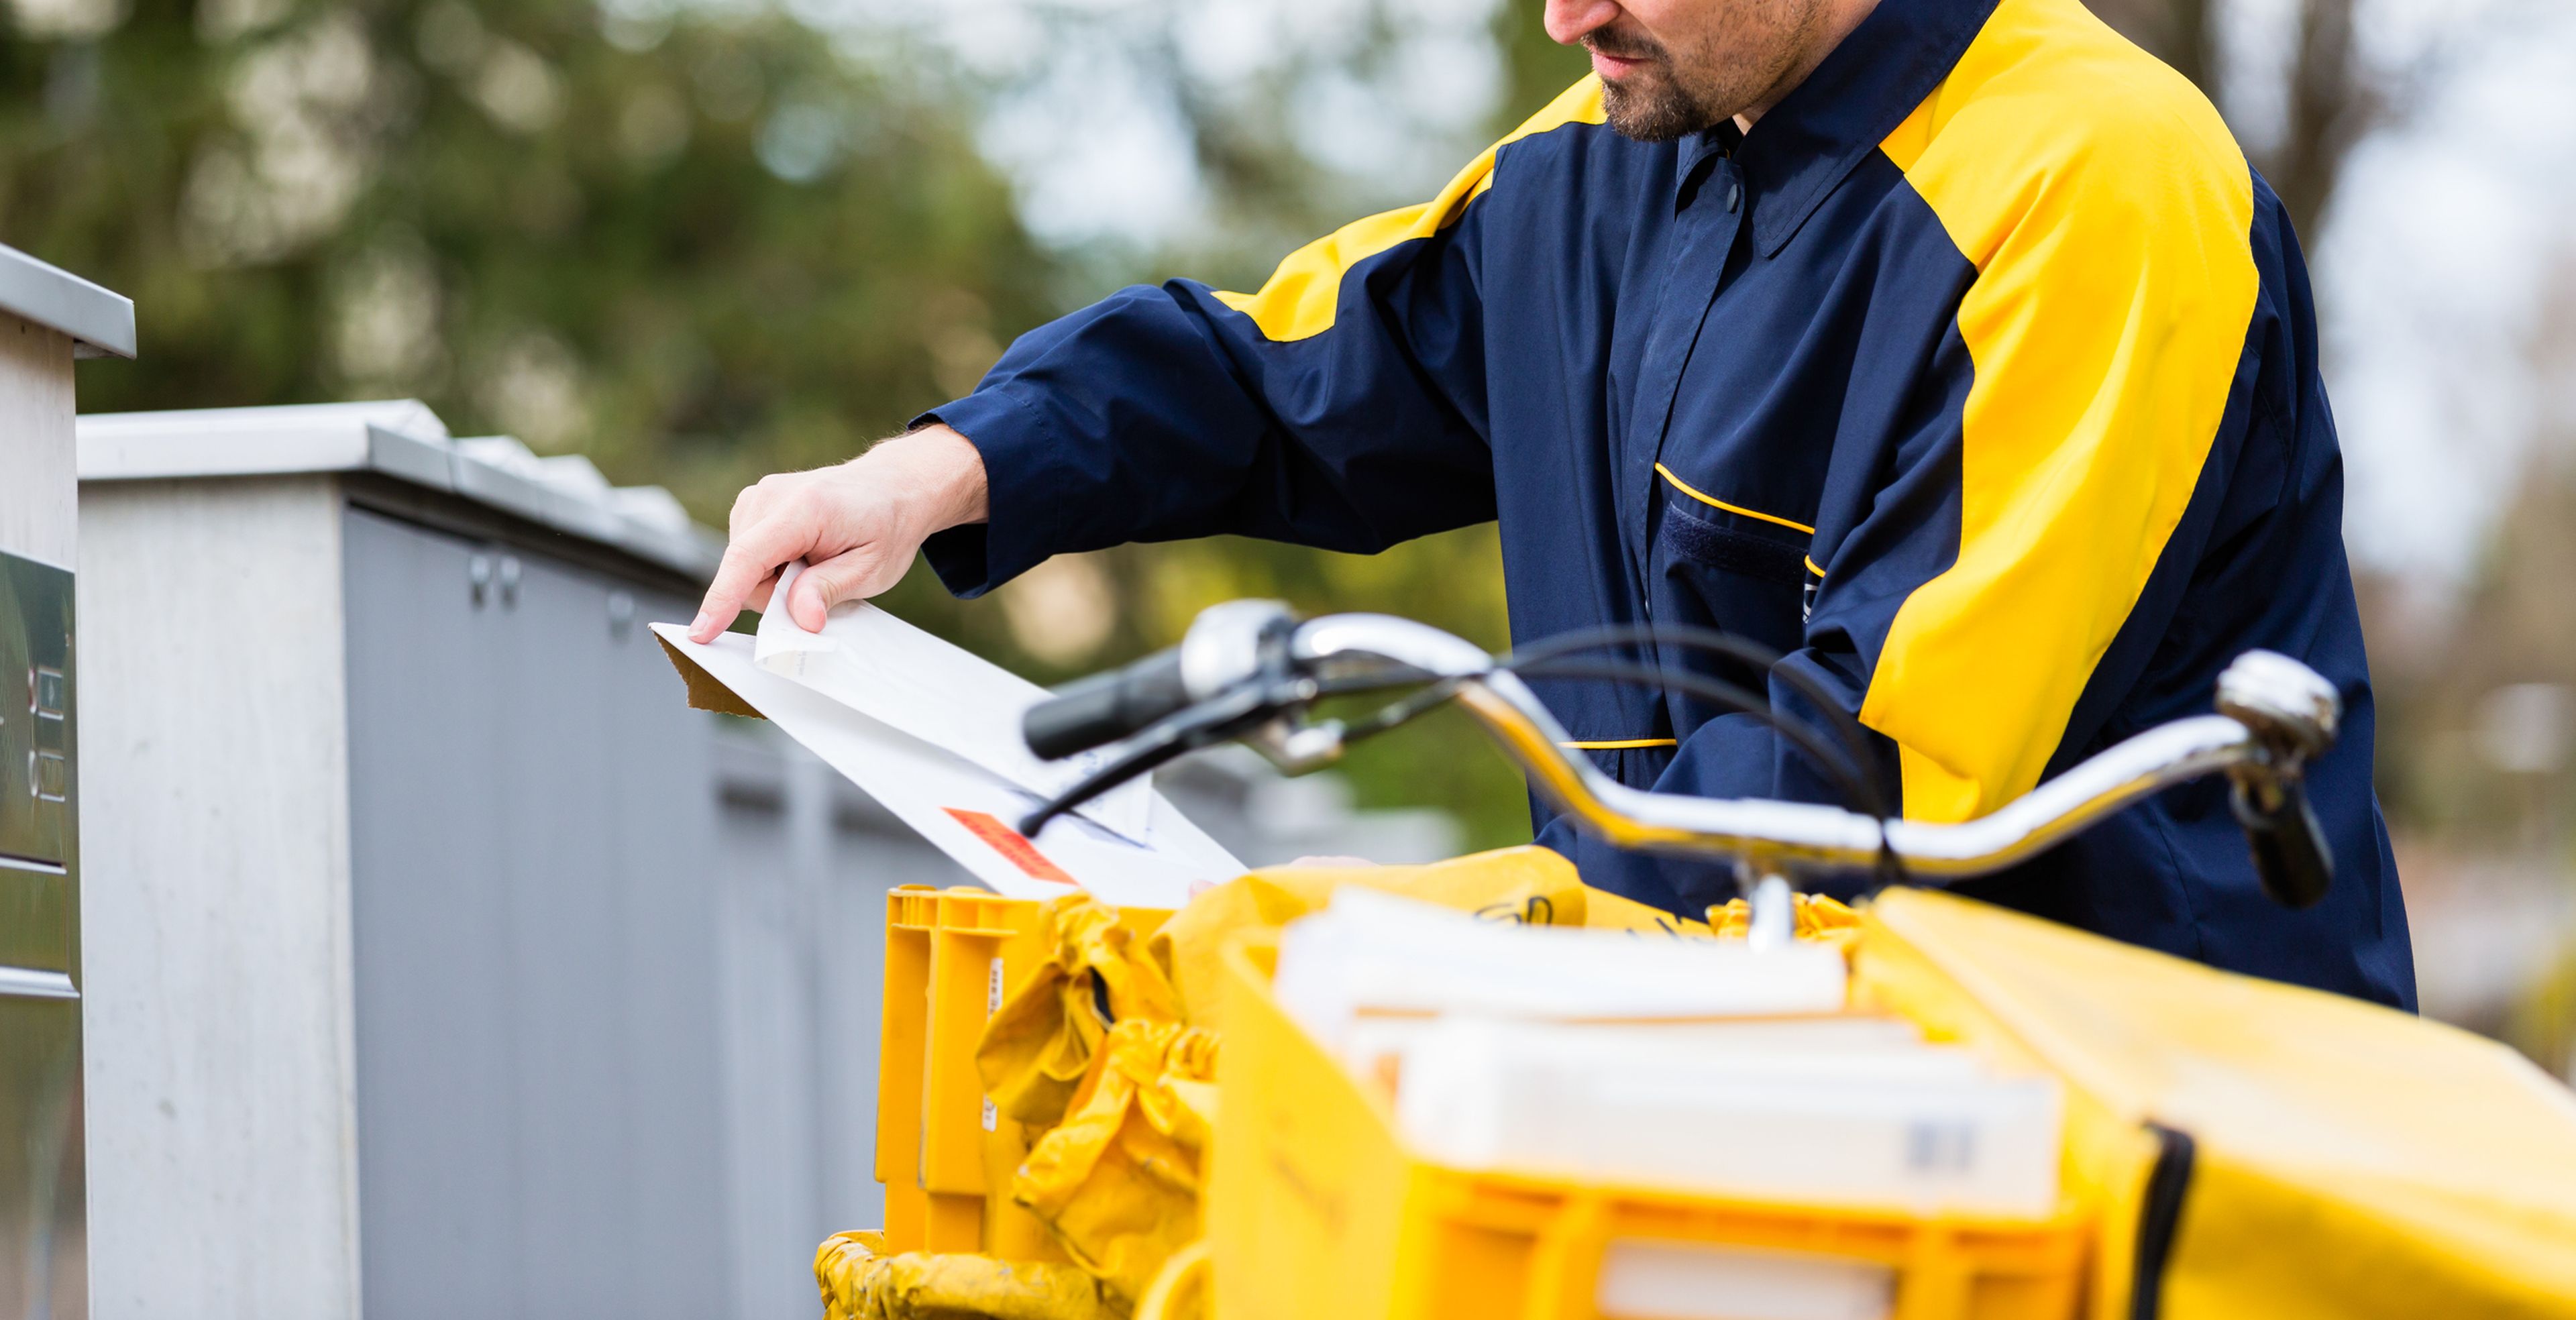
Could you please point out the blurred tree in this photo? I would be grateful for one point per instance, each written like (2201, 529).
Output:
(2477, 728)
(1535, 68)
(696, 249)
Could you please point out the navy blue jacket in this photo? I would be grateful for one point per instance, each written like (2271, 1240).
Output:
(1979, 377)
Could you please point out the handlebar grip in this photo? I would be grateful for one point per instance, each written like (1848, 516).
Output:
(2290, 853)
(1106, 707)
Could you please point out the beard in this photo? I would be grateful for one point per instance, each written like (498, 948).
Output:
(1650, 105)
(1728, 68)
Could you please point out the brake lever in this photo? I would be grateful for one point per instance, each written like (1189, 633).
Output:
(2293, 714)
(2291, 858)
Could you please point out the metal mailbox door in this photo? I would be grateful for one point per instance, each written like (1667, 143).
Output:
(43, 1213)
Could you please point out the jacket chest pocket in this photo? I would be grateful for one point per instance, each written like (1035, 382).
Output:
(1738, 574)
(1705, 542)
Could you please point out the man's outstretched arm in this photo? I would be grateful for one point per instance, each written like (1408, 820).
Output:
(1341, 406)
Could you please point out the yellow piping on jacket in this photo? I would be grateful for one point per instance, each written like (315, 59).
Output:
(1715, 503)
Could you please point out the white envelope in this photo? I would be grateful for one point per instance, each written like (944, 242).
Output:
(951, 698)
(966, 810)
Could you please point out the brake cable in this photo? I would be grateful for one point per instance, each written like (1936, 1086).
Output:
(1743, 649)
(1860, 788)
(1847, 778)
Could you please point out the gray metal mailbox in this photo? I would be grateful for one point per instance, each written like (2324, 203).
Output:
(441, 961)
(404, 926)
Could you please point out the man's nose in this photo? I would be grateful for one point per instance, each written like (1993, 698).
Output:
(1569, 21)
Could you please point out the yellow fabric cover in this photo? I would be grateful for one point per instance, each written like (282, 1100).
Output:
(1182, 1290)
(1603, 910)
(2350, 1160)
(1119, 1179)
(1126, 1110)
(1039, 1043)
(1818, 918)
(859, 1282)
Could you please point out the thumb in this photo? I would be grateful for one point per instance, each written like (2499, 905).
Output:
(850, 575)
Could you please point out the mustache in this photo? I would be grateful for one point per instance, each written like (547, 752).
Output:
(1624, 46)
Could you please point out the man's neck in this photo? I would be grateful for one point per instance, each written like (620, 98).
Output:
(1840, 17)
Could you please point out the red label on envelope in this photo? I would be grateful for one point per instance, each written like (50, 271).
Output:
(1012, 845)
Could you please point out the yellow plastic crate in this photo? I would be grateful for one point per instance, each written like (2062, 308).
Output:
(944, 1154)
(1316, 1208)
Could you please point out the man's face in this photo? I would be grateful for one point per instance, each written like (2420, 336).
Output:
(1673, 67)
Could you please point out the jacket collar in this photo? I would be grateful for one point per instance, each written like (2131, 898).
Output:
(1865, 88)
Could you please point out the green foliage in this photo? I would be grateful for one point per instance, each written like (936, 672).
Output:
(1535, 68)
(696, 252)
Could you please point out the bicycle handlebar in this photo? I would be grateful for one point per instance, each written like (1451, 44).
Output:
(1247, 671)
(1107, 707)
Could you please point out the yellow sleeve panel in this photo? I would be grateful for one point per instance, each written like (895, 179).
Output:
(1301, 297)
(2106, 210)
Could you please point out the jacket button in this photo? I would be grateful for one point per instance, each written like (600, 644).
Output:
(1734, 196)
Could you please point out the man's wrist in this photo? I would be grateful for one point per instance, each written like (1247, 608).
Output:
(940, 473)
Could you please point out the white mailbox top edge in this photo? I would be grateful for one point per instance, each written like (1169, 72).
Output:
(100, 321)
(401, 439)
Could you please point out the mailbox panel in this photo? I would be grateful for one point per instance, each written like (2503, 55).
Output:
(37, 763)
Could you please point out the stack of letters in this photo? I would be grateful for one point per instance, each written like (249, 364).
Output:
(1692, 1065)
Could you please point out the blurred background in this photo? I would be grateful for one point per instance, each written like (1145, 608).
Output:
(698, 242)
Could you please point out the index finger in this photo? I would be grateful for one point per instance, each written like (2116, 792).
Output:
(749, 559)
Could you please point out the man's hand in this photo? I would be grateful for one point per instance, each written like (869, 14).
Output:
(856, 526)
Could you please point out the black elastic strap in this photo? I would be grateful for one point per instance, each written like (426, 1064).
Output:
(2159, 1216)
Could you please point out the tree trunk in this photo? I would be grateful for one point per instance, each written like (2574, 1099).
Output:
(2328, 109)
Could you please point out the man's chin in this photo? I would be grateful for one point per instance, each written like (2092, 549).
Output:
(1651, 109)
